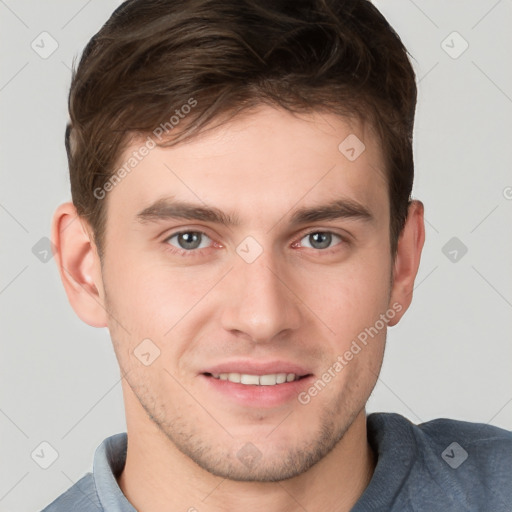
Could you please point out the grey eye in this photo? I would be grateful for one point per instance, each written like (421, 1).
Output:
(188, 240)
(320, 239)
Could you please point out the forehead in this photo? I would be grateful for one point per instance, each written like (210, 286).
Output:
(265, 162)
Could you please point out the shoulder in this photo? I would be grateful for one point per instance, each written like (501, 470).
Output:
(482, 439)
(470, 459)
(80, 497)
(486, 447)
(467, 463)
(466, 429)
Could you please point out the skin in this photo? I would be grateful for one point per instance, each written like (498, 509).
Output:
(296, 302)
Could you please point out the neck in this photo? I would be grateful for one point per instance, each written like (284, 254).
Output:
(157, 476)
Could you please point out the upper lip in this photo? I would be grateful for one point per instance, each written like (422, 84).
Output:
(252, 367)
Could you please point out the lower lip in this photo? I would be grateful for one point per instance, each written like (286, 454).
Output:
(258, 396)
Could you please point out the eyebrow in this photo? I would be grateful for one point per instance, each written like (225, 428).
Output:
(169, 208)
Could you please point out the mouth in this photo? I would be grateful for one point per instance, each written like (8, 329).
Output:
(256, 384)
(247, 379)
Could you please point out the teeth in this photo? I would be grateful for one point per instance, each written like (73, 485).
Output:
(234, 377)
(268, 380)
(257, 380)
(280, 378)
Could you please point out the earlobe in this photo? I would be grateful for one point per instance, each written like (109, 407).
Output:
(78, 265)
(407, 261)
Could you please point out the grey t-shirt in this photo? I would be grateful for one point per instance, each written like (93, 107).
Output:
(441, 465)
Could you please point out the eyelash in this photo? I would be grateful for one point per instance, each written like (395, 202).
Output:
(198, 252)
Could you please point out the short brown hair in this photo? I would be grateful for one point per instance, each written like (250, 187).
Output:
(153, 56)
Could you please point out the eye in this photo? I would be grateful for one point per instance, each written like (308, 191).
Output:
(189, 243)
(186, 241)
(321, 239)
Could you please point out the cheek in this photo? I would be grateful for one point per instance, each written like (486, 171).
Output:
(151, 299)
(353, 297)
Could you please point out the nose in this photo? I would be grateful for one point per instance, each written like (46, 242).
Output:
(260, 300)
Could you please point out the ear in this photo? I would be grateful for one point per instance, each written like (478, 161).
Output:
(79, 265)
(407, 259)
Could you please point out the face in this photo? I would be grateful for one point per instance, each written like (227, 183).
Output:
(272, 286)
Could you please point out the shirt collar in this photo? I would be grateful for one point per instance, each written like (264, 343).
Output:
(109, 460)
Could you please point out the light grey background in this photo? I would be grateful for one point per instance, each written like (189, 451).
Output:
(449, 357)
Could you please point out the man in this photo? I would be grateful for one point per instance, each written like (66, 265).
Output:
(241, 222)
